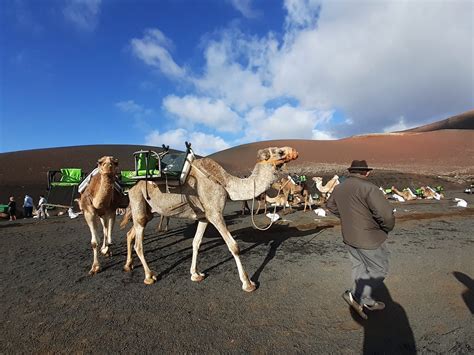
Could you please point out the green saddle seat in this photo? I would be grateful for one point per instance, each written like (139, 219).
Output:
(69, 177)
(126, 178)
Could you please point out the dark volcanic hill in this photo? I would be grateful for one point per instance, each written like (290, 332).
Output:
(462, 121)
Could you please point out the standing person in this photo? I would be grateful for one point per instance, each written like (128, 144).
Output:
(366, 218)
(42, 207)
(28, 206)
(12, 208)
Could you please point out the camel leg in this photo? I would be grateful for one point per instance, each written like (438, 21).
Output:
(150, 276)
(130, 238)
(110, 228)
(104, 222)
(108, 224)
(307, 203)
(93, 223)
(195, 275)
(218, 222)
(163, 220)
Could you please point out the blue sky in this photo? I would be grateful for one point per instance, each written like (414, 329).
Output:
(220, 73)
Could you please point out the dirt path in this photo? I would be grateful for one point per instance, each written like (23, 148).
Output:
(50, 304)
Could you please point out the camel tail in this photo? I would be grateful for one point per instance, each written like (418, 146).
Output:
(126, 218)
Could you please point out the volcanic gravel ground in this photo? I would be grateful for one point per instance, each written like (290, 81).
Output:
(51, 304)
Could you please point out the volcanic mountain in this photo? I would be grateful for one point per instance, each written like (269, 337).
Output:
(441, 148)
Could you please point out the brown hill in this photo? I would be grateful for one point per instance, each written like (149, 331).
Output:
(443, 152)
(462, 121)
(437, 152)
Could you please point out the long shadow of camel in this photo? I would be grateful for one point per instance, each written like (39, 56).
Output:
(274, 238)
(387, 331)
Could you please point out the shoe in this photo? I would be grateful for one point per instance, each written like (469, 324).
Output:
(377, 306)
(353, 303)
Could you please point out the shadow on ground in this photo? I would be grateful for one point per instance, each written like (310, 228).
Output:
(387, 331)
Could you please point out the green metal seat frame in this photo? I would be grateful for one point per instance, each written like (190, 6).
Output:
(150, 165)
(65, 178)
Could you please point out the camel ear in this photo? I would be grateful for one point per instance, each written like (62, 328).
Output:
(263, 154)
(100, 161)
(115, 161)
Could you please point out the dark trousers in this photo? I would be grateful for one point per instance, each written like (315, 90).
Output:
(369, 269)
(28, 211)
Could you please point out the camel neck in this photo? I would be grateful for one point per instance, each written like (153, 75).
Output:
(263, 175)
(105, 192)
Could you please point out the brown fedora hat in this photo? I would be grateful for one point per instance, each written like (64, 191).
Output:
(359, 165)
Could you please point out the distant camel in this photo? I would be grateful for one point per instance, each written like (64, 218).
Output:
(327, 189)
(259, 200)
(307, 198)
(99, 202)
(429, 193)
(407, 194)
(202, 197)
(285, 187)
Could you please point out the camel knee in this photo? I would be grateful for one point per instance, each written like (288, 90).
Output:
(131, 234)
(93, 245)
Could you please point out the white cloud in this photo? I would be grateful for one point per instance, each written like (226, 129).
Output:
(399, 126)
(373, 61)
(301, 14)
(203, 110)
(236, 69)
(202, 144)
(153, 49)
(380, 60)
(284, 122)
(322, 135)
(244, 7)
(84, 14)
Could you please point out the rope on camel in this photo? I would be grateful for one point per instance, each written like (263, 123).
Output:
(274, 209)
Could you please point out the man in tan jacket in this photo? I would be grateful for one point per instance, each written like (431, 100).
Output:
(366, 218)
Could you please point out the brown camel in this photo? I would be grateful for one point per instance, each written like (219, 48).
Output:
(285, 187)
(429, 193)
(202, 197)
(99, 202)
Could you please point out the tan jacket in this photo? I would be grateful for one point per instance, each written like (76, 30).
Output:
(366, 216)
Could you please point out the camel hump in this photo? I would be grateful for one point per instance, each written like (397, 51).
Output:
(212, 170)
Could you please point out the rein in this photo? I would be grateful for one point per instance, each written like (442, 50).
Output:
(274, 209)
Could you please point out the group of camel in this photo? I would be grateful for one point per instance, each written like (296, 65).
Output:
(290, 194)
(407, 194)
(202, 198)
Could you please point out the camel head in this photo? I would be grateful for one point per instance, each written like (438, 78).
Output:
(318, 179)
(277, 156)
(107, 165)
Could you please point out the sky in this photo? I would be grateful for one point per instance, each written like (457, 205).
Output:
(221, 73)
